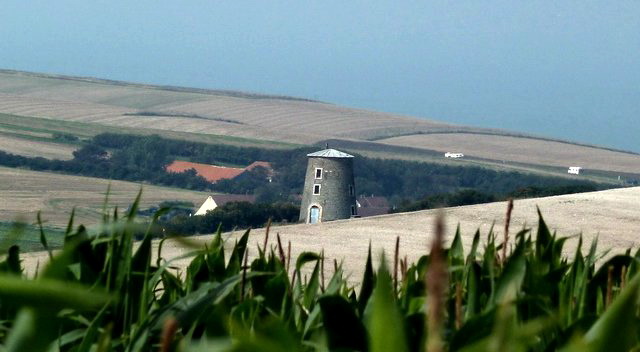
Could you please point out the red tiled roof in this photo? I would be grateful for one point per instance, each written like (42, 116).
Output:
(211, 173)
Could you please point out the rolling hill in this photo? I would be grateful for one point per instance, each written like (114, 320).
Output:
(276, 121)
(611, 216)
(23, 193)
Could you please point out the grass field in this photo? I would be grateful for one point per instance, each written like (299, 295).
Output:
(29, 237)
(29, 147)
(25, 127)
(23, 193)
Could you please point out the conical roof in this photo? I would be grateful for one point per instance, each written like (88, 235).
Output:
(330, 153)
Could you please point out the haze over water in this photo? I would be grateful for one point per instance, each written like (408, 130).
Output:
(569, 70)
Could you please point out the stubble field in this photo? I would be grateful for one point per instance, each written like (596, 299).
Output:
(612, 216)
(273, 119)
(524, 150)
(23, 193)
(31, 148)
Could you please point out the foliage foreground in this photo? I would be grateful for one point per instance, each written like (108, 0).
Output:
(99, 294)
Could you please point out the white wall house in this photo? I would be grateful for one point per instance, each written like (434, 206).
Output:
(453, 155)
(574, 170)
(219, 200)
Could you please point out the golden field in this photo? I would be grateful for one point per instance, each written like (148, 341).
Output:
(23, 193)
(612, 216)
(273, 119)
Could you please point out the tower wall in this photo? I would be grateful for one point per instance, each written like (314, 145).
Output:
(337, 189)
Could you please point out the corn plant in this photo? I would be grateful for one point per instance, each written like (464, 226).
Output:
(99, 294)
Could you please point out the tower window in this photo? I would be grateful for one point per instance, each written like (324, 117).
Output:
(316, 189)
(351, 192)
(318, 173)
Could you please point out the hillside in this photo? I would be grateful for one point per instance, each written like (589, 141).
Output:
(610, 215)
(274, 120)
(23, 193)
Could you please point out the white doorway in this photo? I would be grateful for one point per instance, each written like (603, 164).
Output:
(314, 214)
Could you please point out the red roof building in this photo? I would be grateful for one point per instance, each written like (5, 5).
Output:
(213, 173)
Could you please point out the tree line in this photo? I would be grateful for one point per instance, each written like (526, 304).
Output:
(144, 158)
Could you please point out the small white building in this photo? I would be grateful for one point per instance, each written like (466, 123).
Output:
(219, 200)
(453, 155)
(574, 170)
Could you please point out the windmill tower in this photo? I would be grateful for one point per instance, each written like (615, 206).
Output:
(329, 191)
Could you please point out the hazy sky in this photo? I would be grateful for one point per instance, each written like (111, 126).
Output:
(568, 69)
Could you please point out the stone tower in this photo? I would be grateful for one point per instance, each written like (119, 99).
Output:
(329, 192)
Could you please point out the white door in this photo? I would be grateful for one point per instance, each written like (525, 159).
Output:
(314, 214)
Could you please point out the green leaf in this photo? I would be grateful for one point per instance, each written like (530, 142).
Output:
(32, 330)
(43, 238)
(368, 282)
(312, 287)
(617, 328)
(343, 328)
(386, 328)
(237, 255)
(92, 333)
(48, 294)
(456, 252)
(511, 279)
(11, 264)
(306, 257)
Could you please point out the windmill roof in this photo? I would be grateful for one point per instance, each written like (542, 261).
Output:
(330, 153)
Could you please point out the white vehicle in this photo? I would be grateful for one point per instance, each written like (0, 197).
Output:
(574, 170)
(453, 155)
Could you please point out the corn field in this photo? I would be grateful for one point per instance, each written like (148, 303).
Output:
(99, 294)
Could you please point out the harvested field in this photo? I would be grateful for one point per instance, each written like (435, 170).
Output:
(31, 148)
(42, 126)
(112, 105)
(524, 150)
(613, 216)
(266, 117)
(24, 192)
(121, 117)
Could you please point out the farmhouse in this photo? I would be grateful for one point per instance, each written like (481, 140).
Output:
(218, 200)
(214, 173)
